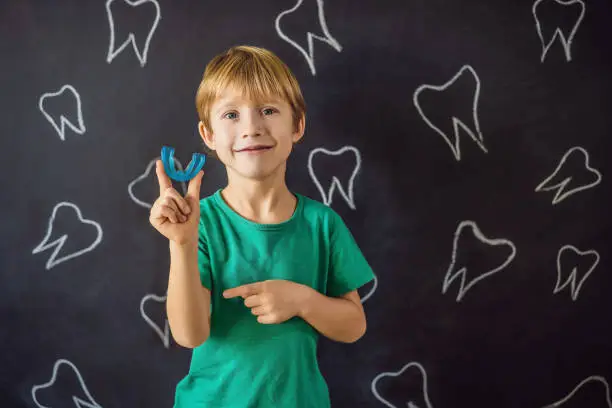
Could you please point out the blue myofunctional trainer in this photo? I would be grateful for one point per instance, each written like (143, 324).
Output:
(196, 164)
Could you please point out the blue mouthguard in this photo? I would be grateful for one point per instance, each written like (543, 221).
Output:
(195, 165)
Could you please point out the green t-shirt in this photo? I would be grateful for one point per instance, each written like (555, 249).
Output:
(247, 364)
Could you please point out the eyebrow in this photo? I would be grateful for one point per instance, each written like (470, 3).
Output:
(231, 103)
(222, 107)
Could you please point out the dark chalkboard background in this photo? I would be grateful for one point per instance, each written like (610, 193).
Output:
(508, 340)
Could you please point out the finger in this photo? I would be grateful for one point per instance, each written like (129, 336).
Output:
(179, 200)
(235, 292)
(259, 310)
(193, 190)
(252, 301)
(162, 178)
(169, 213)
(168, 202)
(173, 206)
(244, 291)
(157, 207)
(266, 319)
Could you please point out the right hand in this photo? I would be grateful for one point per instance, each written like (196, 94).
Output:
(176, 217)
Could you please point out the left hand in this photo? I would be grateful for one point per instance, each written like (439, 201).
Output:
(272, 301)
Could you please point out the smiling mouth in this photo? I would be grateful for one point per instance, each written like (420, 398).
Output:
(255, 149)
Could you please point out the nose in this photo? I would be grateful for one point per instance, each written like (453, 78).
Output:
(252, 124)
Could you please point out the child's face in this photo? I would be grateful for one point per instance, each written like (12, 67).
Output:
(239, 126)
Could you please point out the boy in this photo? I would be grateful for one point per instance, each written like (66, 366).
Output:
(257, 272)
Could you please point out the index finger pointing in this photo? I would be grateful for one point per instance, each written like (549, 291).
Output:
(243, 291)
(162, 178)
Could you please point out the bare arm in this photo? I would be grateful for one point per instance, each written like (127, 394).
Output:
(188, 302)
(338, 318)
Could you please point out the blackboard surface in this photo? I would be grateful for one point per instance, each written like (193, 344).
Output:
(466, 144)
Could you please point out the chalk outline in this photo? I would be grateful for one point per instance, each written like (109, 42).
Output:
(397, 374)
(463, 288)
(561, 185)
(165, 336)
(59, 243)
(77, 401)
(63, 121)
(144, 175)
(456, 122)
(131, 38)
(576, 388)
(327, 199)
(566, 42)
(571, 279)
(309, 35)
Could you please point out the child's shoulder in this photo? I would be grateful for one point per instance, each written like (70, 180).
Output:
(207, 200)
(311, 204)
(316, 210)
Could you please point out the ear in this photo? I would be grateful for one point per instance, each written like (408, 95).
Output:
(299, 132)
(207, 136)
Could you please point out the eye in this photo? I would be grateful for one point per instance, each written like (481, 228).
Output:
(228, 115)
(269, 111)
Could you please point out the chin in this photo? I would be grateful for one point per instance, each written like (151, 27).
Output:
(258, 173)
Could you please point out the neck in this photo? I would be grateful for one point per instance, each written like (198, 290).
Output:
(266, 200)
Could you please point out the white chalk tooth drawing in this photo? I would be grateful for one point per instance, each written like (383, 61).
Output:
(565, 39)
(114, 50)
(78, 402)
(464, 284)
(346, 192)
(571, 279)
(59, 242)
(164, 334)
(143, 176)
(410, 399)
(593, 379)
(59, 124)
(453, 141)
(560, 183)
(326, 38)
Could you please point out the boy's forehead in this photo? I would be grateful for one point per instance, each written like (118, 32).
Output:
(231, 95)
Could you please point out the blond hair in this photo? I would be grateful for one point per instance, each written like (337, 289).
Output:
(257, 72)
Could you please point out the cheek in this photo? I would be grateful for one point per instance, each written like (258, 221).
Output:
(287, 147)
(223, 139)
(288, 142)
(224, 144)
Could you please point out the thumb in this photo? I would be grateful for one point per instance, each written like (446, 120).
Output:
(193, 190)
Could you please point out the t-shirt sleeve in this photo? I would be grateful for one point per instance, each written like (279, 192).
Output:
(203, 257)
(349, 270)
